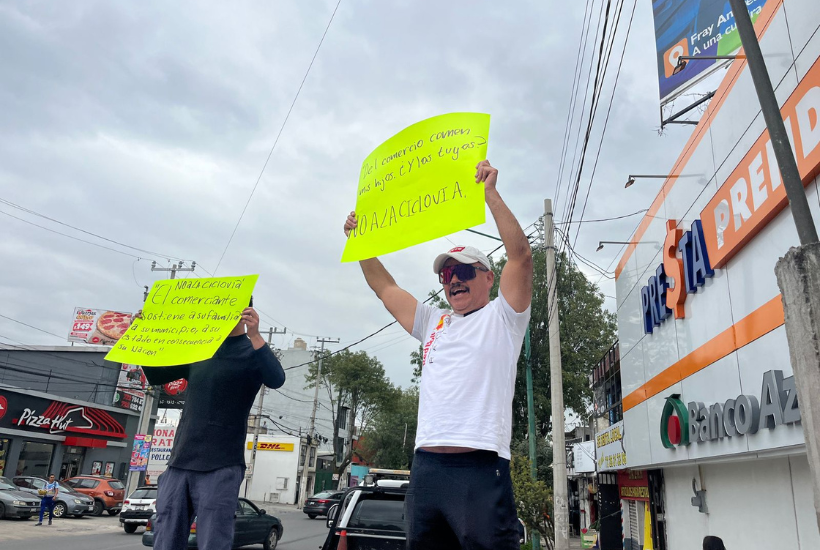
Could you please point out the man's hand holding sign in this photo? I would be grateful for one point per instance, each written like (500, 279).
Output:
(184, 321)
(415, 187)
(460, 493)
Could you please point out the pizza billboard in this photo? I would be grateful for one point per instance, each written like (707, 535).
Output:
(101, 327)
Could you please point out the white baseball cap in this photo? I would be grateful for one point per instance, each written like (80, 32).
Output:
(463, 254)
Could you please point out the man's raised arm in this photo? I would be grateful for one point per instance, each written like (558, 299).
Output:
(400, 303)
(516, 277)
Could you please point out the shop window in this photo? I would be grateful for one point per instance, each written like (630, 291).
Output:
(4, 453)
(35, 459)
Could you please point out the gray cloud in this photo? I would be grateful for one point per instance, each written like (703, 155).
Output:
(149, 123)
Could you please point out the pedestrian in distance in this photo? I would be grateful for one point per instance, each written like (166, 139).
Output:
(49, 493)
(713, 543)
(207, 463)
(460, 493)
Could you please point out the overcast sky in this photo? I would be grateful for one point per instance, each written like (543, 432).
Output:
(149, 122)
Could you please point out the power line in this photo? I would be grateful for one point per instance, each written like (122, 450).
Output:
(608, 111)
(643, 211)
(281, 129)
(34, 213)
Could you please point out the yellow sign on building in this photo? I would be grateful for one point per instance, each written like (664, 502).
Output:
(271, 446)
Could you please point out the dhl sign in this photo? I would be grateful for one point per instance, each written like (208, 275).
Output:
(754, 193)
(271, 446)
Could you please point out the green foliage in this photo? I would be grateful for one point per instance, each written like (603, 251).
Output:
(391, 438)
(543, 456)
(356, 381)
(587, 331)
(533, 499)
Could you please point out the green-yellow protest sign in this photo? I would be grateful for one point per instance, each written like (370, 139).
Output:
(184, 321)
(420, 185)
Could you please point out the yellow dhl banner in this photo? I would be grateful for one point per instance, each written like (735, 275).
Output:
(269, 446)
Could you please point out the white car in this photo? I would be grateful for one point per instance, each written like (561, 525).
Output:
(138, 508)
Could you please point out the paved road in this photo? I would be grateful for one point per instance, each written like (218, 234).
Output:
(105, 533)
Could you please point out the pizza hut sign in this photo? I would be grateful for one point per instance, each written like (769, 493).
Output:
(172, 395)
(58, 418)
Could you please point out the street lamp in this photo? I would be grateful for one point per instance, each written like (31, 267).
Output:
(602, 243)
(632, 177)
(683, 60)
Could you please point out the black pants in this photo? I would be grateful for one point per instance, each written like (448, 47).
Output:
(462, 500)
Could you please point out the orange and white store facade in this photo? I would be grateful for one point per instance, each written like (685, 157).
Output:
(708, 392)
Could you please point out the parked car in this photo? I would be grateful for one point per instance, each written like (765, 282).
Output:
(368, 517)
(108, 493)
(320, 503)
(15, 503)
(68, 502)
(138, 508)
(253, 526)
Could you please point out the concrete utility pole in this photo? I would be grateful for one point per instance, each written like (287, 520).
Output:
(798, 272)
(145, 414)
(559, 452)
(310, 434)
(258, 425)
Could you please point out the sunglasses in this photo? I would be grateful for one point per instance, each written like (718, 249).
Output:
(464, 272)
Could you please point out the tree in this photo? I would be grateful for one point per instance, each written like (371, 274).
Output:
(533, 499)
(587, 332)
(390, 440)
(357, 382)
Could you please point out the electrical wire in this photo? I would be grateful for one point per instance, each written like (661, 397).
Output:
(276, 141)
(35, 213)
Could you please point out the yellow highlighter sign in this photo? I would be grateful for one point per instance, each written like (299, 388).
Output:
(420, 185)
(184, 321)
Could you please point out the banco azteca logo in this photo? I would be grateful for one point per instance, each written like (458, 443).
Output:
(674, 423)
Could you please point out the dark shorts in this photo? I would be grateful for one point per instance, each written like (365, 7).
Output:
(462, 500)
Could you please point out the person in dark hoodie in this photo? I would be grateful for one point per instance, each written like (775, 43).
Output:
(207, 463)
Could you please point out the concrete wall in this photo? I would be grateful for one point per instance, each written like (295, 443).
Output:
(764, 503)
(76, 372)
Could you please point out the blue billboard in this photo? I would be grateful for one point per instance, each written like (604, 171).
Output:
(693, 28)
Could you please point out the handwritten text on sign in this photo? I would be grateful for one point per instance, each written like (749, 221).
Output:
(184, 321)
(420, 185)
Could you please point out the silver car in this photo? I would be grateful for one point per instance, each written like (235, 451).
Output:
(69, 501)
(15, 503)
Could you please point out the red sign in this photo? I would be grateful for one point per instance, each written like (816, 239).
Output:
(633, 485)
(65, 417)
(4, 406)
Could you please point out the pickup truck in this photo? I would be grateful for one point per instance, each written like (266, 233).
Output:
(368, 518)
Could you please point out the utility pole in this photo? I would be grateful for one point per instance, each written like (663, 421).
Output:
(797, 273)
(559, 452)
(310, 434)
(174, 268)
(258, 425)
(145, 414)
(536, 539)
(271, 331)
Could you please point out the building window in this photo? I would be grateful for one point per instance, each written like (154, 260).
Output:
(341, 420)
(340, 449)
(312, 457)
(35, 459)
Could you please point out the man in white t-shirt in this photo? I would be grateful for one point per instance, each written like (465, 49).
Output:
(460, 493)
